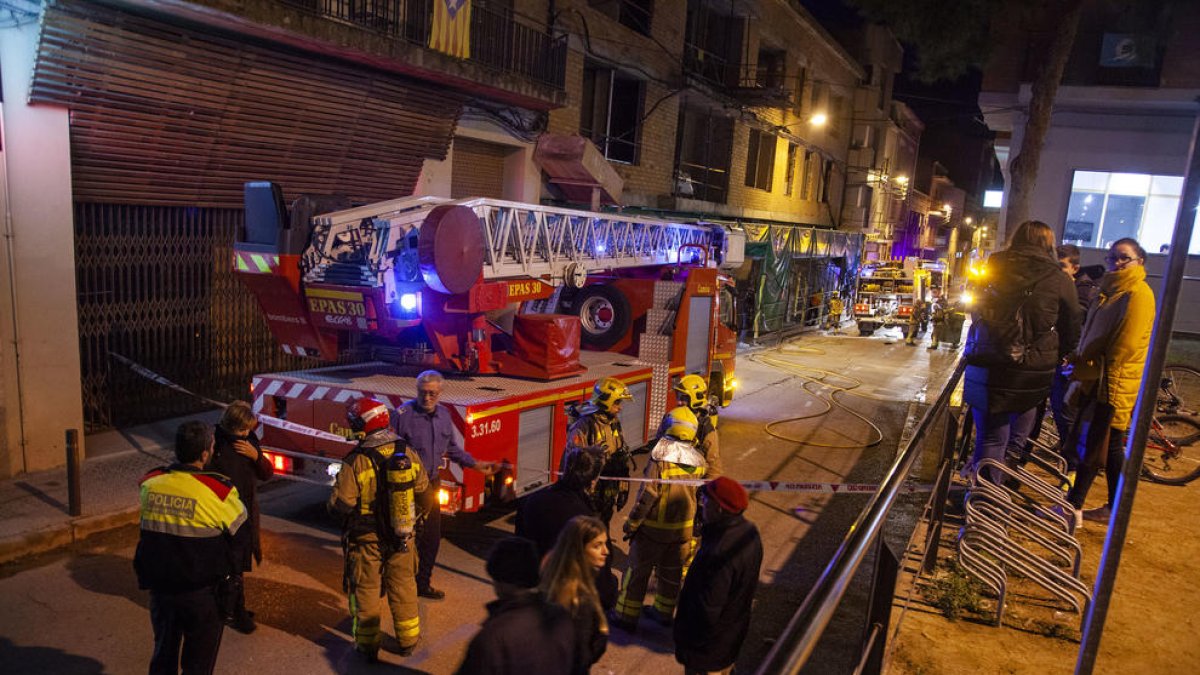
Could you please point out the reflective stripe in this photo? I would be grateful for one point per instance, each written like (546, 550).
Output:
(179, 529)
(660, 525)
(408, 628)
(261, 263)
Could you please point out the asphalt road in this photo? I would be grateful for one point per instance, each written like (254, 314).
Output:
(81, 611)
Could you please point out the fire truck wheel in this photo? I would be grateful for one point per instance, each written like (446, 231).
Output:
(603, 315)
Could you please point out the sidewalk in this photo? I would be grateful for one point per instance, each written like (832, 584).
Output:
(34, 506)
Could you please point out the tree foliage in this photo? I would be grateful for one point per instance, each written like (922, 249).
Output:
(950, 36)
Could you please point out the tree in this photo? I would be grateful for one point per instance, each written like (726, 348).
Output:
(951, 37)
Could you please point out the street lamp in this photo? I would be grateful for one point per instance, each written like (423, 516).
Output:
(818, 119)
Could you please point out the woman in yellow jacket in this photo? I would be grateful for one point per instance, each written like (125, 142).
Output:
(1116, 337)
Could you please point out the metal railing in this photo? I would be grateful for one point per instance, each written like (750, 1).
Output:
(499, 40)
(804, 630)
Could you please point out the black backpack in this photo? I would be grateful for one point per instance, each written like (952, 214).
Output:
(1001, 330)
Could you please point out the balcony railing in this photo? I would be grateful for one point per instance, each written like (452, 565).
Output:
(748, 82)
(499, 41)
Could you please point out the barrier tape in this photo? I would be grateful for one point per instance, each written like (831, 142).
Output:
(782, 485)
(265, 419)
(750, 485)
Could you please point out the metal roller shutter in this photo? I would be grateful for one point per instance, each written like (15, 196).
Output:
(478, 169)
(167, 115)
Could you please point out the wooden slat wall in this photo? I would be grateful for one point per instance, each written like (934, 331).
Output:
(167, 115)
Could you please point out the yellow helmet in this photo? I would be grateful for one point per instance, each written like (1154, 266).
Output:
(607, 392)
(693, 391)
(682, 424)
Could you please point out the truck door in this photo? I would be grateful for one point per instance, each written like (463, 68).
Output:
(699, 328)
(534, 449)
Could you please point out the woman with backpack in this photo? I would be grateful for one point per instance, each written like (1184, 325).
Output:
(1113, 347)
(1025, 321)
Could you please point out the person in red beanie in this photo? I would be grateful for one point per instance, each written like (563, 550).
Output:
(713, 615)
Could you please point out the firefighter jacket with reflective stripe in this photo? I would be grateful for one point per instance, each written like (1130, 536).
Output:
(356, 488)
(596, 429)
(188, 519)
(665, 512)
(706, 440)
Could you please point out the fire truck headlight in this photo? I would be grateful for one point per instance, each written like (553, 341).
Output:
(443, 496)
(408, 302)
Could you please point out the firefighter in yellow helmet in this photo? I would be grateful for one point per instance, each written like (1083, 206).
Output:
(660, 524)
(692, 391)
(599, 427)
(375, 495)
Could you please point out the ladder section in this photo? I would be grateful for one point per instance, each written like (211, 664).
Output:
(359, 246)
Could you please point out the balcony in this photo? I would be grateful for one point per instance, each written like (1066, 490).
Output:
(508, 59)
(757, 85)
(499, 41)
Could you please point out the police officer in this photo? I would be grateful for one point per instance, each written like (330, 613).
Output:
(188, 520)
(660, 524)
(692, 391)
(375, 495)
(598, 427)
(427, 428)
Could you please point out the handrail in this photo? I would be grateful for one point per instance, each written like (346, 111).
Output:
(810, 620)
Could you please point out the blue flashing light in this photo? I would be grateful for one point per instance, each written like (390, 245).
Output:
(408, 302)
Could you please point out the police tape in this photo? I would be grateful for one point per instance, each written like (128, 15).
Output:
(265, 419)
(782, 485)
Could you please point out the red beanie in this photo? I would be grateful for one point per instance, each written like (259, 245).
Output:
(728, 493)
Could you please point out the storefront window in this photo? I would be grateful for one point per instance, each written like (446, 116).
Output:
(1105, 207)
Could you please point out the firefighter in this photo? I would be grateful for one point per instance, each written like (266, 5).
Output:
(692, 391)
(598, 426)
(659, 527)
(836, 309)
(375, 495)
(916, 321)
(938, 317)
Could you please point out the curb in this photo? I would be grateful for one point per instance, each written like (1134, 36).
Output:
(63, 535)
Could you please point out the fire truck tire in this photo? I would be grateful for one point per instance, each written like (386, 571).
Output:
(604, 315)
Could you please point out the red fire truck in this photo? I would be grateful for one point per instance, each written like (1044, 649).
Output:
(521, 307)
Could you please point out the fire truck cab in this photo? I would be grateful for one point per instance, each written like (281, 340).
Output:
(521, 307)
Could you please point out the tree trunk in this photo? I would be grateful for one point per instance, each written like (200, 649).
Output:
(1062, 21)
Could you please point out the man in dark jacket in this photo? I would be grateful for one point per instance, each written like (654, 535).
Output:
(713, 615)
(237, 455)
(523, 634)
(1010, 371)
(1086, 290)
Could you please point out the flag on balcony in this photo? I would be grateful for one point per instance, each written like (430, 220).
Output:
(451, 28)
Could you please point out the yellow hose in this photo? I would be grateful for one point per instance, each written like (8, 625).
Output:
(799, 370)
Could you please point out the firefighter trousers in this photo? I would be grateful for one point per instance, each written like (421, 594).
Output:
(648, 555)
(369, 572)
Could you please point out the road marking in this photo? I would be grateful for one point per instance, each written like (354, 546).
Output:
(749, 452)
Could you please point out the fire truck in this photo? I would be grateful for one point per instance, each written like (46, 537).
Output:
(521, 307)
(887, 292)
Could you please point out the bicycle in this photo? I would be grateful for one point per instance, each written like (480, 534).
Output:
(1173, 445)
(1179, 392)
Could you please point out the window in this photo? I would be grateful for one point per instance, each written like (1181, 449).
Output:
(704, 145)
(633, 14)
(798, 95)
(790, 175)
(611, 112)
(760, 160)
(806, 177)
(826, 170)
(837, 115)
(769, 72)
(1105, 207)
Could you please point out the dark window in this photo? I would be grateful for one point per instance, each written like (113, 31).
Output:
(760, 160)
(790, 176)
(713, 44)
(769, 73)
(634, 14)
(826, 170)
(798, 95)
(704, 146)
(611, 112)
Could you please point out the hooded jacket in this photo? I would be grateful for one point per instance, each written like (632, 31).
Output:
(1053, 311)
(1118, 329)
